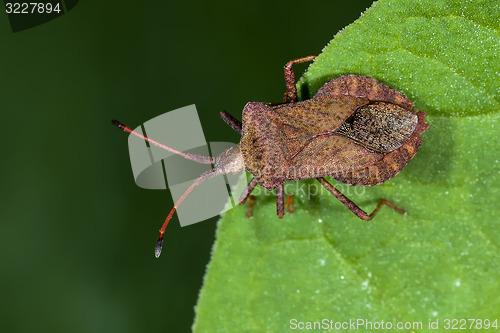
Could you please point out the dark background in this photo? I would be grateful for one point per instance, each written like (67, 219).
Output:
(77, 235)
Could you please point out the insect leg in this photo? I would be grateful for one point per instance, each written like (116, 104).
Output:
(251, 202)
(291, 89)
(352, 206)
(246, 196)
(246, 193)
(388, 203)
(280, 201)
(231, 121)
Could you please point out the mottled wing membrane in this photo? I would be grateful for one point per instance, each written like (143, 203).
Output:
(380, 127)
(391, 164)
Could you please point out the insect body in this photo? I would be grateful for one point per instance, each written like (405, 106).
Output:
(355, 129)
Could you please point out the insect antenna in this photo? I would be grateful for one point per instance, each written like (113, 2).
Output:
(204, 176)
(193, 157)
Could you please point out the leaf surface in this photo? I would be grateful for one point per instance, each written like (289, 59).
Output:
(440, 260)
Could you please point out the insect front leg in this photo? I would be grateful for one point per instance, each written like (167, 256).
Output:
(246, 195)
(355, 208)
(291, 89)
(231, 121)
(248, 190)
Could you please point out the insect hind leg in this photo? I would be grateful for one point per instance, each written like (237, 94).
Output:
(355, 208)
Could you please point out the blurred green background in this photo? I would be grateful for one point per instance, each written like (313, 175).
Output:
(77, 235)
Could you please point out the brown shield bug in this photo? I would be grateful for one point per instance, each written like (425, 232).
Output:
(355, 130)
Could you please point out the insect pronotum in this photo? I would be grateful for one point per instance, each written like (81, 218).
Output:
(355, 130)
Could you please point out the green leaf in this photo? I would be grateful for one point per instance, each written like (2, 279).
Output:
(440, 260)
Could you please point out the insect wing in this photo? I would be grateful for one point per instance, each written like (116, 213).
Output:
(330, 155)
(317, 116)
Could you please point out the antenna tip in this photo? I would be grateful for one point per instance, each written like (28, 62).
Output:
(117, 123)
(158, 246)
